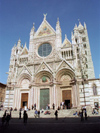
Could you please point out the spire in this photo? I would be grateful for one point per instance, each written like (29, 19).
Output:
(33, 28)
(25, 44)
(84, 25)
(75, 26)
(32, 31)
(80, 26)
(58, 34)
(58, 25)
(65, 36)
(19, 43)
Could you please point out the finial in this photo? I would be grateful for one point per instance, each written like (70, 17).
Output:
(84, 25)
(33, 24)
(65, 36)
(19, 40)
(45, 16)
(57, 19)
(75, 26)
(25, 44)
(79, 20)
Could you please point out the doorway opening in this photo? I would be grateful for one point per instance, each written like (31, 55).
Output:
(66, 98)
(67, 104)
(24, 100)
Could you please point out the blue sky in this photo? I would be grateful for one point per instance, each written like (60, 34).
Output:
(17, 17)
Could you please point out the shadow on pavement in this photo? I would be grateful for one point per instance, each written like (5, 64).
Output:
(51, 125)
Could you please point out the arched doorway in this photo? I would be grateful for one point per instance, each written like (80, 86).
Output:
(44, 79)
(64, 76)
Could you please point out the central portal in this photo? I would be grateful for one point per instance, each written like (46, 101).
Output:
(44, 98)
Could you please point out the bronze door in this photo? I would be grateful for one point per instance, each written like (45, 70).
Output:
(44, 98)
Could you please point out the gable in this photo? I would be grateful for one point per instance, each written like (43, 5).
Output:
(66, 43)
(45, 29)
(65, 64)
(44, 67)
(24, 70)
(24, 52)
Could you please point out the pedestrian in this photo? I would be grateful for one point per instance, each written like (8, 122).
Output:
(5, 113)
(56, 115)
(7, 119)
(3, 120)
(82, 115)
(85, 114)
(10, 114)
(20, 114)
(32, 107)
(61, 105)
(35, 106)
(25, 116)
(38, 113)
(53, 105)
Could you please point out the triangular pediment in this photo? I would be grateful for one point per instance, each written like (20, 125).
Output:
(24, 70)
(45, 29)
(64, 64)
(44, 67)
(24, 51)
(66, 43)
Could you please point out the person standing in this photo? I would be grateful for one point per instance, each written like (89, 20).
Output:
(82, 115)
(56, 115)
(38, 113)
(32, 107)
(25, 116)
(53, 106)
(85, 114)
(20, 114)
(7, 119)
(35, 106)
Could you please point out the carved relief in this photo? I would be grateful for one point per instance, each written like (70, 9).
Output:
(25, 83)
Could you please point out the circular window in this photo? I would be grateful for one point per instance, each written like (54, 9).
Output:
(44, 49)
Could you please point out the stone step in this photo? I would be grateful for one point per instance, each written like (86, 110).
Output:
(61, 113)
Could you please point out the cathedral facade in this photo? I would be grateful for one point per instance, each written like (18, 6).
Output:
(52, 71)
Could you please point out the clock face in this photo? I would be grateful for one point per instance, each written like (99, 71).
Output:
(44, 49)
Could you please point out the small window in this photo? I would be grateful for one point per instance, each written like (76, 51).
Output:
(84, 45)
(16, 51)
(84, 39)
(86, 66)
(77, 50)
(94, 90)
(76, 40)
(78, 56)
(86, 52)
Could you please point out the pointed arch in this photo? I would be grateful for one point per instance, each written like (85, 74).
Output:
(94, 87)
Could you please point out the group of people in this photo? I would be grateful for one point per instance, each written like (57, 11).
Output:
(95, 111)
(82, 114)
(6, 117)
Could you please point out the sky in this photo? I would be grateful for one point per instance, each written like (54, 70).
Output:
(17, 18)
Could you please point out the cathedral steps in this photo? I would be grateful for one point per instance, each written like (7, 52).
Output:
(61, 113)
